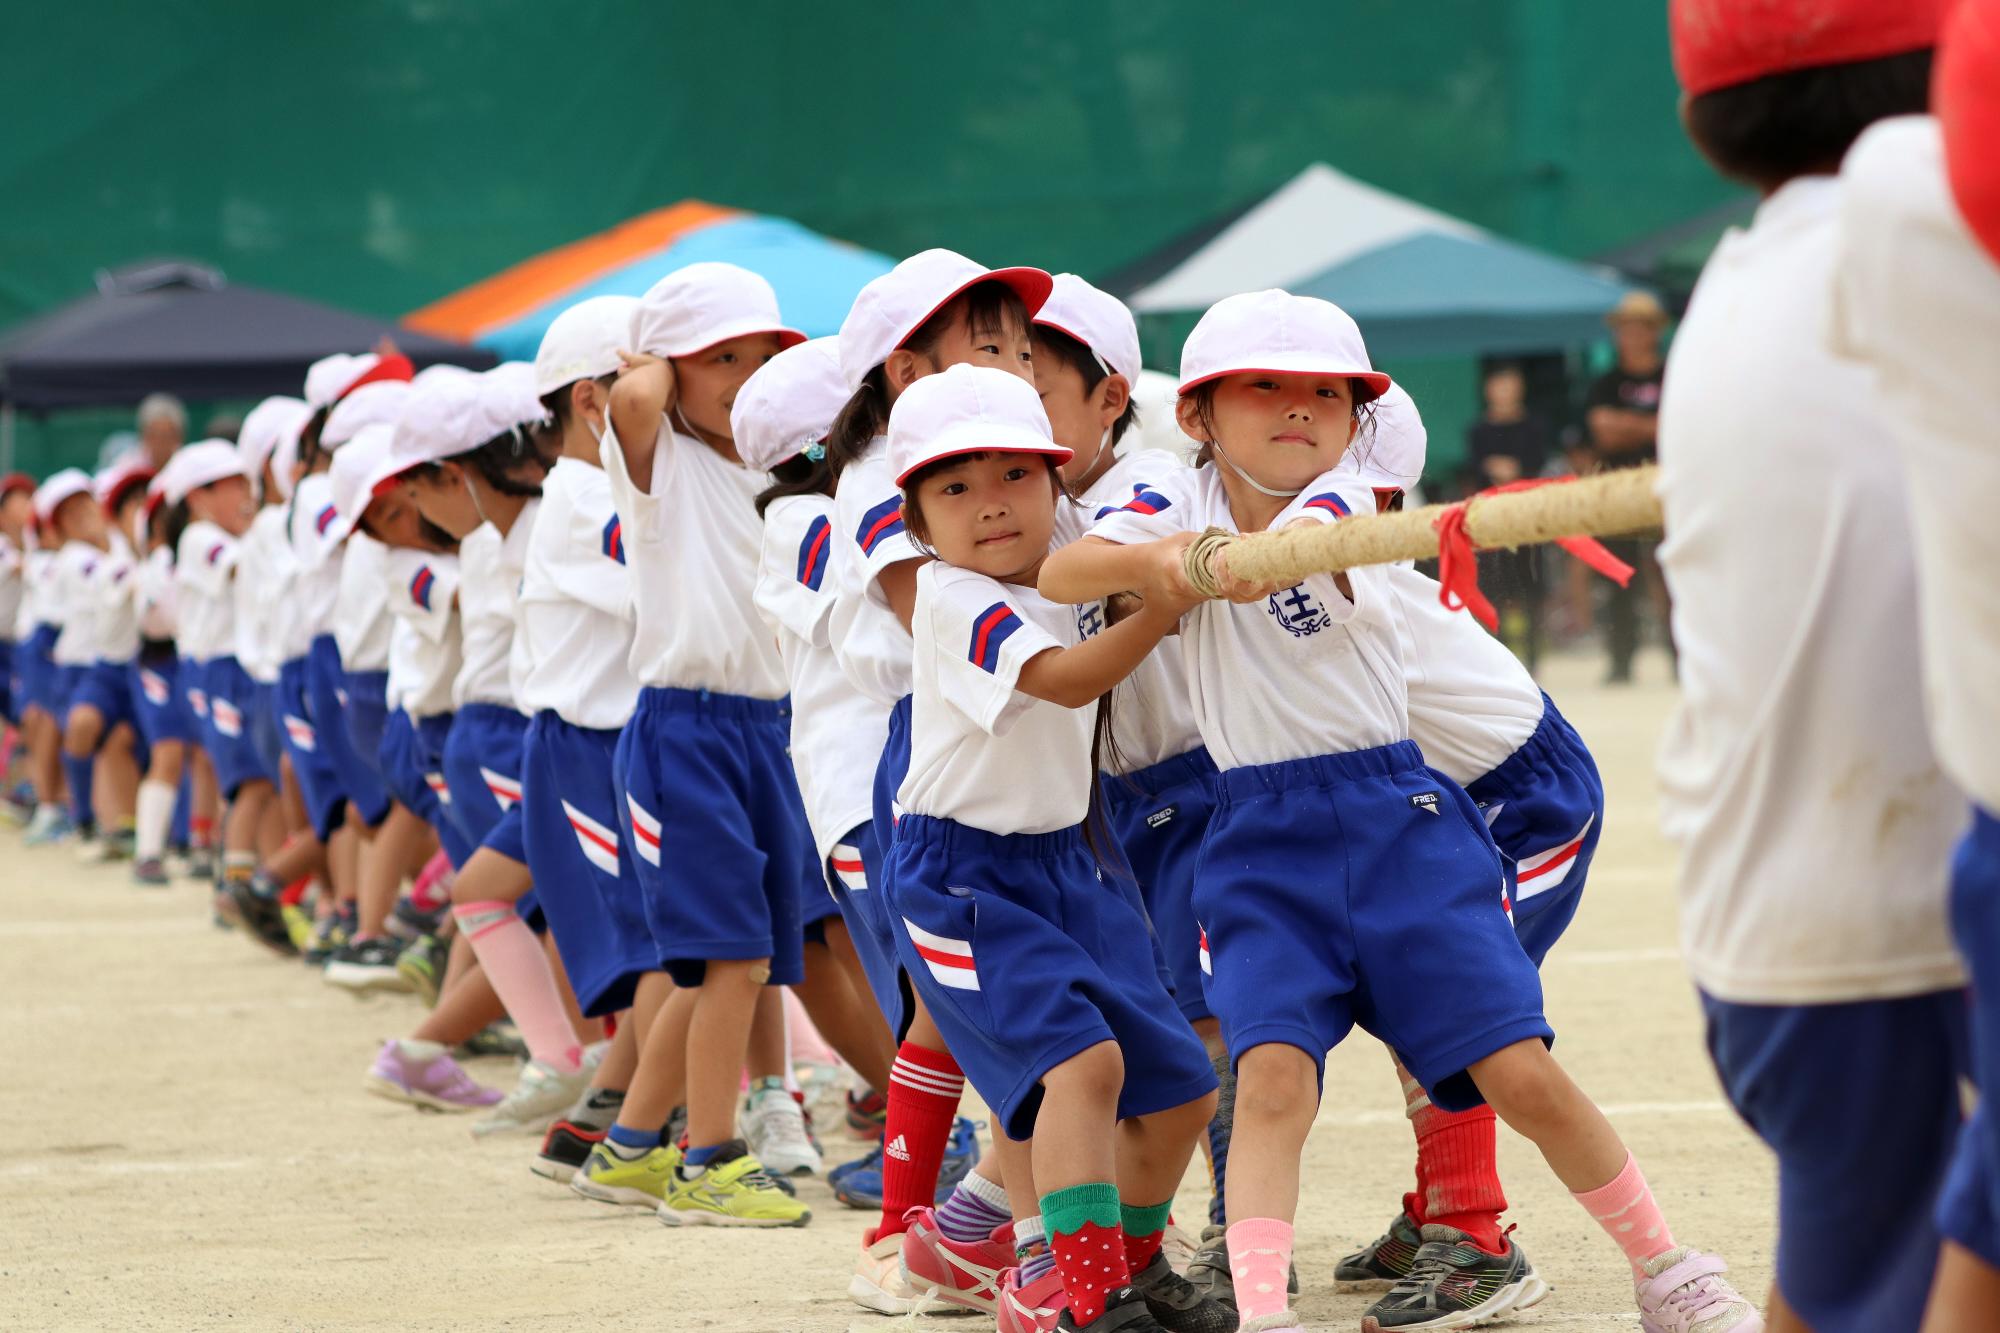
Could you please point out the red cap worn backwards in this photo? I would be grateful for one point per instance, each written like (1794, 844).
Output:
(1721, 43)
(1966, 93)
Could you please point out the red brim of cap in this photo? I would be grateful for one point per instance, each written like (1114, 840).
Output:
(1376, 382)
(1055, 451)
(123, 489)
(17, 481)
(1032, 285)
(398, 367)
(1722, 43)
(1966, 91)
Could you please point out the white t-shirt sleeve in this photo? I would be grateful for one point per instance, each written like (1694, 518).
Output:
(980, 641)
(882, 537)
(645, 510)
(1158, 508)
(794, 582)
(590, 563)
(423, 591)
(205, 560)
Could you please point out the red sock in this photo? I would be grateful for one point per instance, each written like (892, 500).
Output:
(1459, 1173)
(924, 1087)
(201, 831)
(1145, 1227)
(1089, 1246)
(295, 892)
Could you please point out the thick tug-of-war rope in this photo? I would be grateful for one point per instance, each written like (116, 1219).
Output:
(1566, 510)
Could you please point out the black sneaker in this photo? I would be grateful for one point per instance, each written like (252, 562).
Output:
(1208, 1271)
(1384, 1263)
(1125, 1311)
(565, 1148)
(1179, 1306)
(257, 911)
(368, 964)
(1454, 1284)
(497, 1038)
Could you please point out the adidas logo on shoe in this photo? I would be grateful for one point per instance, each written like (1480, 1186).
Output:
(897, 1149)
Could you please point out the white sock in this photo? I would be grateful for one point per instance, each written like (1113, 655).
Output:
(155, 816)
(417, 1049)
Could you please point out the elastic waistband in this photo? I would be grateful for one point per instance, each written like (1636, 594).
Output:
(1175, 771)
(963, 839)
(486, 714)
(367, 677)
(550, 720)
(711, 703)
(1552, 735)
(1321, 770)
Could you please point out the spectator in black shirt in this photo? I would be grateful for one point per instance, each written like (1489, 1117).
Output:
(1622, 412)
(1506, 444)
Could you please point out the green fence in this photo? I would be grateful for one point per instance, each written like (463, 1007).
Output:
(380, 153)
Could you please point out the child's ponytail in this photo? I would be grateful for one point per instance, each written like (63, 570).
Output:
(865, 416)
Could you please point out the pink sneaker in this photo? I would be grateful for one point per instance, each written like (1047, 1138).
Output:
(434, 1082)
(958, 1273)
(1684, 1292)
(1035, 1308)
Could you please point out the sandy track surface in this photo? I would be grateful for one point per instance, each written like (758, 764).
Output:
(191, 1148)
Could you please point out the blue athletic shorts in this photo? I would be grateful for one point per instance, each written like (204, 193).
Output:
(718, 833)
(816, 900)
(365, 706)
(319, 783)
(1362, 888)
(854, 870)
(412, 759)
(482, 766)
(264, 730)
(158, 701)
(1159, 814)
(326, 687)
(1872, 1166)
(1025, 959)
(571, 814)
(1544, 806)
(35, 671)
(226, 736)
(9, 690)
(870, 915)
(1969, 1212)
(107, 687)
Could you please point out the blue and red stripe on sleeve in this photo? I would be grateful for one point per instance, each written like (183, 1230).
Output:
(614, 539)
(1331, 503)
(885, 520)
(813, 552)
(420, 587)
(990, 632)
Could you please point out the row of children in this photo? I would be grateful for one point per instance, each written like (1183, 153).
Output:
(868, 666)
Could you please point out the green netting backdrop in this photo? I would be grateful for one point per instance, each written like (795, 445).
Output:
(380, 153)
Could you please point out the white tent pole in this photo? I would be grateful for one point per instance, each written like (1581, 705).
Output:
(6, 437)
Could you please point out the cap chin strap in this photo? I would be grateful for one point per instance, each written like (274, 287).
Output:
(1103, 441)
(1249, 480)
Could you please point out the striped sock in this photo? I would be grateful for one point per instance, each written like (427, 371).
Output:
(1089, 1245)
(975, 1207)
(1031, 1249)
(629, 1145)
(924, 1088)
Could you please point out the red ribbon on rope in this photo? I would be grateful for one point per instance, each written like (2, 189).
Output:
(1458, 556)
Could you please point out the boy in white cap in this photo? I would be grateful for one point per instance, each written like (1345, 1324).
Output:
(43, 701)
(934, 310)
(578, 691)
(81, 543)
(1327, 814)
(703, 763)
(1061, 1026)
(207, 480)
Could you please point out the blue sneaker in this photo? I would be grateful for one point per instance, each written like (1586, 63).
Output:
(858, 1183)
(50, 823)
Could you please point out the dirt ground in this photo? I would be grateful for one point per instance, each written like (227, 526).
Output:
(192, 1149)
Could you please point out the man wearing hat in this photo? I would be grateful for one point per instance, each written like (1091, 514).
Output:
(1622, 412)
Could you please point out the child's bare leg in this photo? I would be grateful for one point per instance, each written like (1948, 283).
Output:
(660, 1076)
(846, 1016)
(384, 863)
(1964, 1296)
(462, 1011)
(1277, 1096)
(718, 1038)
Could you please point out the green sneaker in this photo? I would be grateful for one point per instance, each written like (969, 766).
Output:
(732, 1191)
(421, 963)
(642, 1183)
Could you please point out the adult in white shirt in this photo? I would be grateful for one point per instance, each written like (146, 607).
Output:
(1797, 776)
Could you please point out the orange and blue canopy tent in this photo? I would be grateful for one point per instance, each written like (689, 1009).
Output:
(816, 277)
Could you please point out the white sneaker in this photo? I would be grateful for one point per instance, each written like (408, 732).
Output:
(776, 1128)
(542, 1094)
(49, 823)
(1684, 1292)
(878, 1283)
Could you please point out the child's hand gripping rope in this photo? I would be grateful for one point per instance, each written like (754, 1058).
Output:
(1221, 564)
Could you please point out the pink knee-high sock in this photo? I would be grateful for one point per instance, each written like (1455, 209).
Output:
(1628, 1214)
(521, 977)
(1260, 1265)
